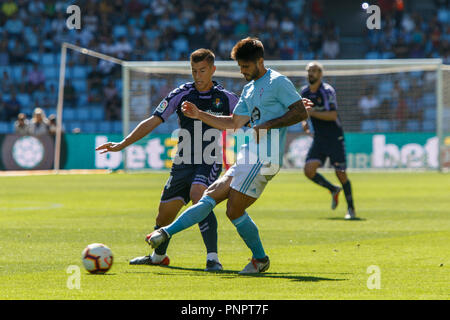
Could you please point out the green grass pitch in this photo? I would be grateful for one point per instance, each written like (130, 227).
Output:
(46, 221)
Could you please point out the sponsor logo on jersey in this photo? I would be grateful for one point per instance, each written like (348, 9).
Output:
(162, 106)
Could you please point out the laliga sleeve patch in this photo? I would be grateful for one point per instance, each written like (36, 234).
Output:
(162, 106)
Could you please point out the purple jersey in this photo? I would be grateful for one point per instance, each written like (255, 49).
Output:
(217, 101)
(324, 99)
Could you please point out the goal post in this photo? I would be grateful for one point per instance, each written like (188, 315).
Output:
(61, 82)
(395, 113)
(397, 106)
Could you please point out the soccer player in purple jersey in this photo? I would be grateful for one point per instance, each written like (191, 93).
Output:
(328, 137)
(187, 181)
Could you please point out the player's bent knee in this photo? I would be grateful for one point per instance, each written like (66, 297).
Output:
(233, 213)
(310, 172)
(196, 194)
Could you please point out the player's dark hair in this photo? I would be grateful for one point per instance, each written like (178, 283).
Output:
(248, 49)
(203, 54)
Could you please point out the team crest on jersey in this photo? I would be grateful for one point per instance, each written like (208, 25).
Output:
(319, 100)
(162, 106)
(217, 103)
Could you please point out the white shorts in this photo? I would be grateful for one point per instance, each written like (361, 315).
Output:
(247, 178)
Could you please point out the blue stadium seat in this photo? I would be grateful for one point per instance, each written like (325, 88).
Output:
(24, 99)
(117, 127)
(4, 127)
(69, 114)
(119, 31)
(17, 72)
(384, 89)
(372, 55)
(83, 99)
(88, 127)
(34, 56)
(48, 59)
(413, 125)
(50, 72)
(80, 72)
(83, 114)
(97, 113)
(429, 100)
(368, 125)
(430, 113)
(80, 85)
(50, 111)
(50, 82)
(384, 125)
(429, 126)
(104, 127)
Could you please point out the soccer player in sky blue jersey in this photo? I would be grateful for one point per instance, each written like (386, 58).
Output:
(328, 137)
(188, 179)
(270, 102)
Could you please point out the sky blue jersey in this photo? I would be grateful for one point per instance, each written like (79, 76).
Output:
(265, 99)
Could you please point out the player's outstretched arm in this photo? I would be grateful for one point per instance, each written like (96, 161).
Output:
(219, 122)
(142, 129)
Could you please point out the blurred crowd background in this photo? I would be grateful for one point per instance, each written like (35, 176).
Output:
(31, 33)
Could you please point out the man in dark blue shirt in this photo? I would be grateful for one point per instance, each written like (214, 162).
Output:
(192, 173)
(328, 137)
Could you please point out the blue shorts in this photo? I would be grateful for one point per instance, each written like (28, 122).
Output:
(333, 148)
(182, 177)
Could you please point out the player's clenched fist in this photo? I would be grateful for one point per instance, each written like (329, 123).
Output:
(109, 147)
(307, 103)
(189, 109)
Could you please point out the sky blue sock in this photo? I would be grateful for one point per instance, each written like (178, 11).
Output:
(248, 231)
(192, 215)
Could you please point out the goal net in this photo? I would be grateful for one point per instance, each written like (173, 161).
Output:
(395, 113)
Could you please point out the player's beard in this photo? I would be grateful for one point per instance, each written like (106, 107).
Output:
(253, 76)
(312, 80)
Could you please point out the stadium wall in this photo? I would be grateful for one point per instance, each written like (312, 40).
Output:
(364, 151)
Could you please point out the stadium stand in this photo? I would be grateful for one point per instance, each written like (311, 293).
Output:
(32, 33)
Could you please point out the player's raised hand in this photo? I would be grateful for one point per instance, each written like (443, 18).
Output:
(189, 109)
(109, 147)
(307, 103)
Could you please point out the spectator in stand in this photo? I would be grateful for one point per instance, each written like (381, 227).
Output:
(113, 108)
(122, 49)
(330, 47)
(112, 101)
(368, 104)
(70, 95)
(39, 123)
(52, 125)
(14, 26)
(6, 82)
(2, 108)
(9, 8)
(4, 54)
(35, 77)
(12, 108)
(17, 52)
(22, 126)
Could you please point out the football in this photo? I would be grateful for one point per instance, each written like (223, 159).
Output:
(97, 258)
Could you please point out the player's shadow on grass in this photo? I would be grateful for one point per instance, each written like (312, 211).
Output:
(343, 219)
(235, 274)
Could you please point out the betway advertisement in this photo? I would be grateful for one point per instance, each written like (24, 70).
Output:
(382, 151)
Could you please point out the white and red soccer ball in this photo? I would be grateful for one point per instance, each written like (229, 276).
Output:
(97, 258)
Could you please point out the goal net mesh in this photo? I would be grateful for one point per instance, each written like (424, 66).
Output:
(387, 105)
